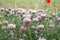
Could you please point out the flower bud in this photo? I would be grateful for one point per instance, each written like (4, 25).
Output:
(22, 29)
(26, 21)
(43, 15)
(35, 19)
(40, 27)
(11, 26)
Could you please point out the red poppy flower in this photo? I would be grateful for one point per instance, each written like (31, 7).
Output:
(48, 1)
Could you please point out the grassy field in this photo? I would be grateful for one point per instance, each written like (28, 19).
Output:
(29, 24)
(28, 4)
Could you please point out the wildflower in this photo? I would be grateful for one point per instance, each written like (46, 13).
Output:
(22, 29)
(39, 17)
(26, 16)
(35, 19)
(58, 19)
(19, 12)
(40, 27)
(51, 25)
(41, 38)
(2, 9)
(5, 22)
(53, 14)
(0, 22)
(43, 15)
(11, 26)
(33, 27)
(26, 21)
(33, 11)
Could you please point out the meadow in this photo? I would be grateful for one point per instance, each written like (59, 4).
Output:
(28, 4)
(29, 20)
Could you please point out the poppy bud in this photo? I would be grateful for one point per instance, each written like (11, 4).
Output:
(48, 1)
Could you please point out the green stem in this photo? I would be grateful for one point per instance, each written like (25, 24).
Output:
(28, 30)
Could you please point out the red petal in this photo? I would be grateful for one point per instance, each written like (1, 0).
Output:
(48, 1)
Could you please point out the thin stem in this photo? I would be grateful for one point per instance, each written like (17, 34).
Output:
(28, 30)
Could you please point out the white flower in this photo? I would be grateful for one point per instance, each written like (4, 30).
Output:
(2, 9)
(51, 25)
(53, 14)
(41, 38)
(12, 10)
(21, 39)
(33, 27)
(58, 19)
(26, 16)
(5, 22)
(35, 19)
(11, 26)
(0, 22)
(11, 13)
(40, 27)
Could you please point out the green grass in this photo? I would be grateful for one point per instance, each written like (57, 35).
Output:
(27, 4)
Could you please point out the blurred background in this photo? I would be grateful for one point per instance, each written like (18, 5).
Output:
(29, 4)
